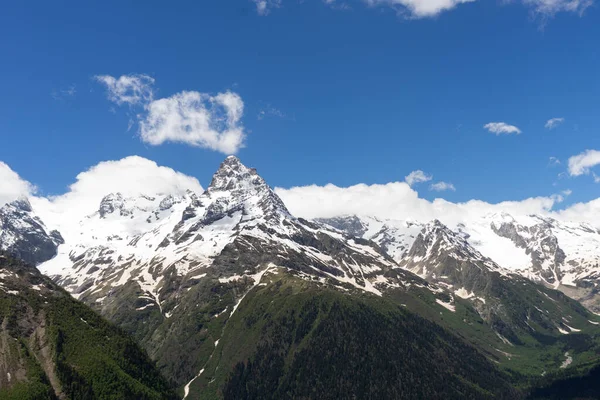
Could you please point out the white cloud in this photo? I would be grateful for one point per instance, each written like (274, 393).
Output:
(560, 197)
(396, 200)
(197, 119)
(442, 186)
(263, 7)
(134, 89)
(553, 123)
(420, 8)
(130, 176)
(12, 185)
(417, 176)
(580, 164)
(549, 8)
(190, 117)
(500, 128)
(582, 212)
(553, 161)
(431, 8)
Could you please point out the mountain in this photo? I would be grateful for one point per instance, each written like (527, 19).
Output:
(24, 235)
(208, 282)
(171, 270)
(523, 314)
(514, 306)
(558, 254)
(563, 255)
(53, 346)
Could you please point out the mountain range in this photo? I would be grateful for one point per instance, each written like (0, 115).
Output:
(234, 297)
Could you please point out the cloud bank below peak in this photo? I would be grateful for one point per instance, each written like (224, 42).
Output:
(136, 175)
(398, 201)
(130, 176)
(13, 186)
(190, 117)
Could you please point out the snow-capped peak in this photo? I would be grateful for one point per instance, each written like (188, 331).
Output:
(21, 204)
(436, 240)
(235, 186)
(232, 175)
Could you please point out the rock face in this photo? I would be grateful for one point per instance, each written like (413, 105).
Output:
(24, 235)
(558, 254)
(52, 346)
(513, 305)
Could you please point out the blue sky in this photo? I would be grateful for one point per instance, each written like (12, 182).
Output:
(358, 95)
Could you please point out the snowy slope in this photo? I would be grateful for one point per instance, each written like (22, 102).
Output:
(395, 237)
(155, 238)
(167, 266)
(24, 235)
(559, 254)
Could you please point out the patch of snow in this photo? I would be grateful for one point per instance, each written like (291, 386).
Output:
(568, 361)
(504, 340)
(447, 306)
(463, 293)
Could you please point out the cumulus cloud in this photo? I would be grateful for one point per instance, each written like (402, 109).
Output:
(134, 89)
(500, 128)
(582, 212)
(582, 163)
(417, 176)
(190, 117)
(130, 176)
(442, 186)
(420, 8)
(197, 119)
(553, 123)
(397, 200)
(13, 186)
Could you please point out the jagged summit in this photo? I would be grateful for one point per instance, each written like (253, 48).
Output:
(235, 186)
(232, 174)
(22, 203)
(437, 240)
